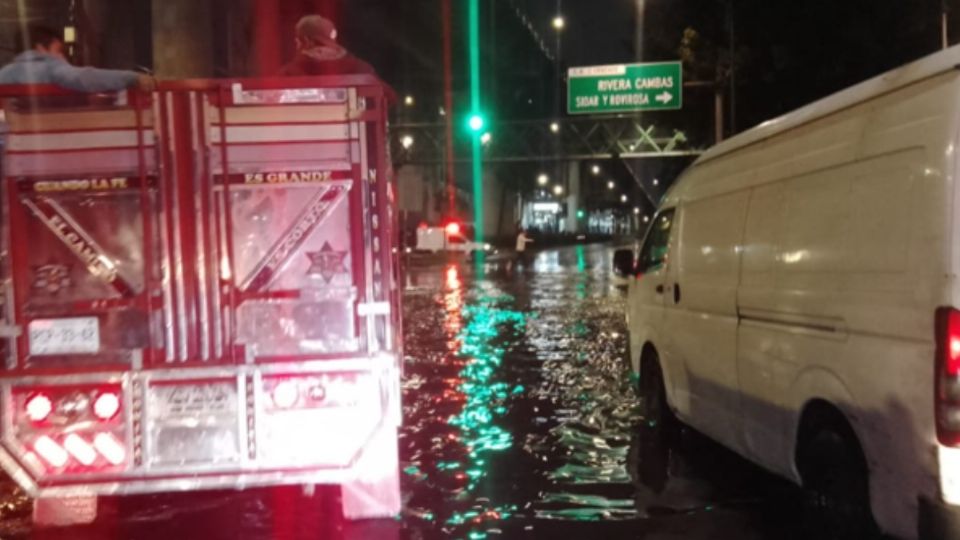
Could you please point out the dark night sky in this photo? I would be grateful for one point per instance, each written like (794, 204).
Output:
(789, 52)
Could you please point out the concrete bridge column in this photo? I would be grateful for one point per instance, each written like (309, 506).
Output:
(182, 40)
(574, 198)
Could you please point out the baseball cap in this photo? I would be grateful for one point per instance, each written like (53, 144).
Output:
(317, 29)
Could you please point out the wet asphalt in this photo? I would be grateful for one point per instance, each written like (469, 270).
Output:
(520, 421)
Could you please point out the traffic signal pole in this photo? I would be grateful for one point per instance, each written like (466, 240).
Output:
(476, 121)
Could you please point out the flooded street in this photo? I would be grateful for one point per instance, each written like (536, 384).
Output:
(520, 422)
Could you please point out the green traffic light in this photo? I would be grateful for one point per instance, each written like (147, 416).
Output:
(476, 122)
(581, 214)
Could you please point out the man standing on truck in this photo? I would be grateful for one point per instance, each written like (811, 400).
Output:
(318, 52)
(43, 62)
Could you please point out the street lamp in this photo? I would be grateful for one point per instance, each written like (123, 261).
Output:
(558, 190)
(559, 22)
(646, 219)
(611, 184)
(636, 210)
(408, 101)
(595, 169)
(543, 179)
(623, 198)
(555, 127)
(406, 141)
(656, 182)
(485, 138)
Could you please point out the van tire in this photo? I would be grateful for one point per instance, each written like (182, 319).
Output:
(658, 436)
(835, 500)
(653, 396)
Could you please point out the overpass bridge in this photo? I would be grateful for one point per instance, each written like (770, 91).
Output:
(570, 139)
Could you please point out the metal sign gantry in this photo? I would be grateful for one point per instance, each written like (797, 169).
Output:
(571, 139)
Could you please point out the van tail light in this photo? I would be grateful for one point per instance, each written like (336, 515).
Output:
(948, 376)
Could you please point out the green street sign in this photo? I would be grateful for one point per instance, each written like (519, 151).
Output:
(625, 88)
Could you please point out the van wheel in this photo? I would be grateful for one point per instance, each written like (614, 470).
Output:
(658, 435)
(653, 395)
(836, 494)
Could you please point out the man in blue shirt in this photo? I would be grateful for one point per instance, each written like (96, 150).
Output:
(44, 63)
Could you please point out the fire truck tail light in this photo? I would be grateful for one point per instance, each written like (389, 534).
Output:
(50, 451)
(80, 449)
(39, 407)
(318, 391)
(286, 394)
(340, 391)
(107, 405)
(68, 405)
(110, 448)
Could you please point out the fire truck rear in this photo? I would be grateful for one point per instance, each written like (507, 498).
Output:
(201, 290)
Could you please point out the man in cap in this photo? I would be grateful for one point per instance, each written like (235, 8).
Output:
(318, 52)
(44, 63)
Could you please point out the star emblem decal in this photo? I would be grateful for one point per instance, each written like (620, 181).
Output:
(327, 263)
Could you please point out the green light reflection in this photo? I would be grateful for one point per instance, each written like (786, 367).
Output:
(486, 322)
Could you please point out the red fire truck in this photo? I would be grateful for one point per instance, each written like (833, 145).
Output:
(200, 291)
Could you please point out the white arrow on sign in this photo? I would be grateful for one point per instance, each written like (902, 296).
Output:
(664, 98)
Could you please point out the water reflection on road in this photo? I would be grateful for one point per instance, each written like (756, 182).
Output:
(520, 421)
(524, 415)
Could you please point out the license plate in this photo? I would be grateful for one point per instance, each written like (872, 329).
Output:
(193, 400)
(78, 335)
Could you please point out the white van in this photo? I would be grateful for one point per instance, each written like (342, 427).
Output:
(796, 300)
(452, 237)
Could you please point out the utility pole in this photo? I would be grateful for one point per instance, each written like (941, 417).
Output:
(182, 44)
(717, 114)
(944, 34)
(445, 16)
(560, 171)
(733, 66)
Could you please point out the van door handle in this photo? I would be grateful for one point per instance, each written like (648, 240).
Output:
(676, 293)
(659, 289)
